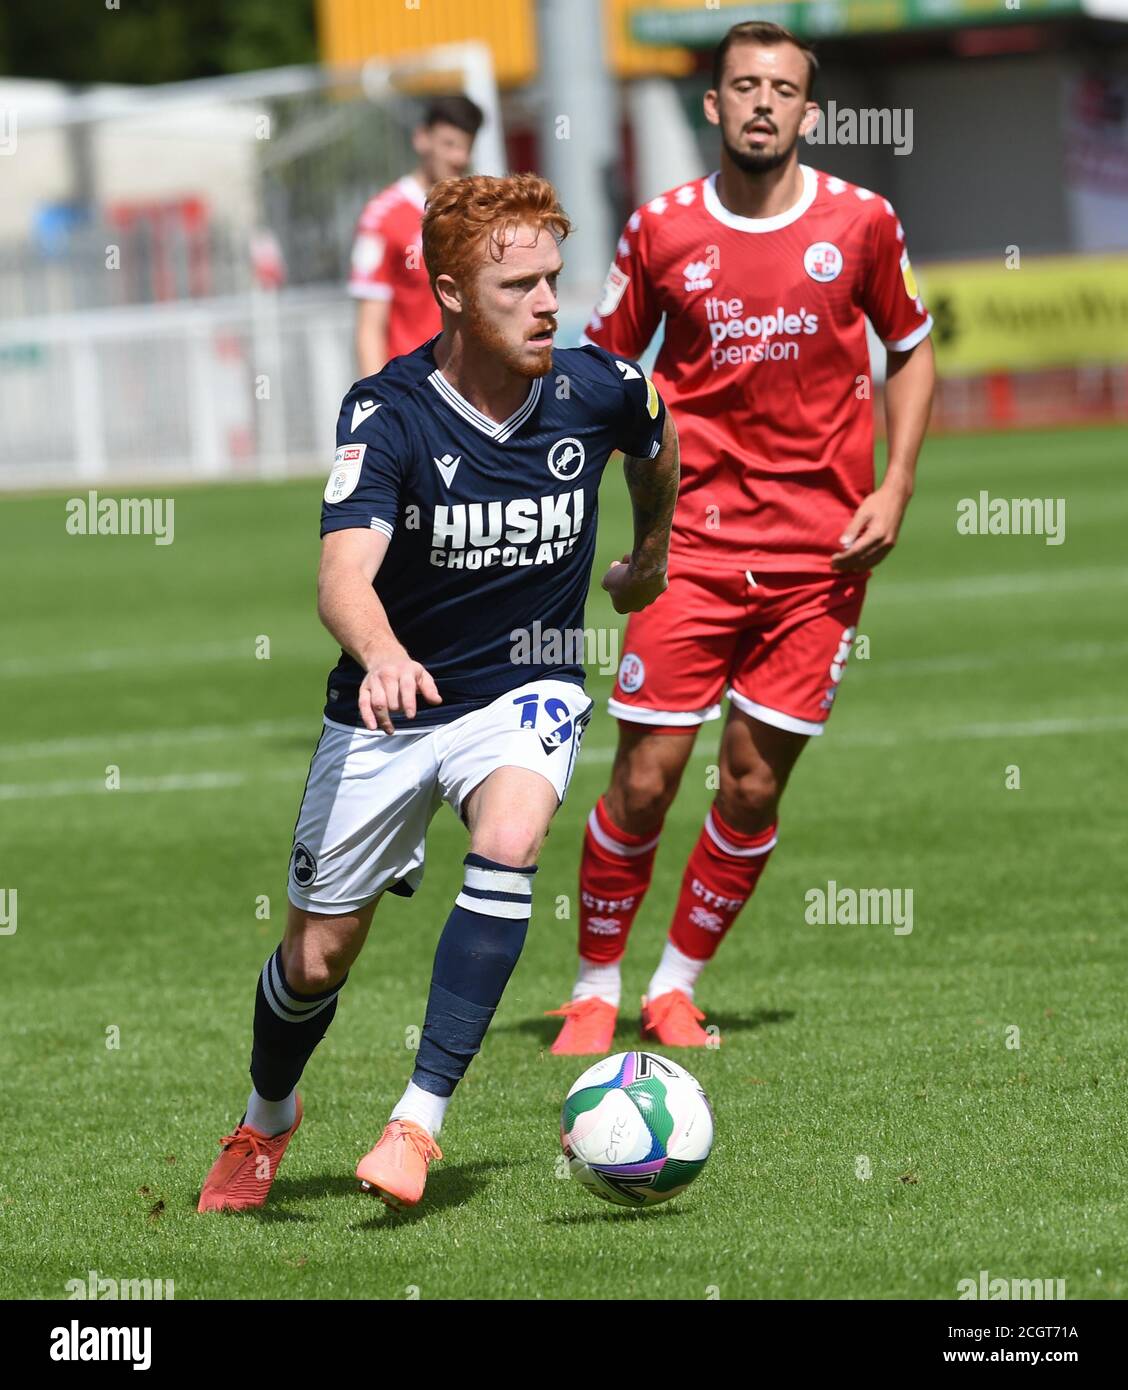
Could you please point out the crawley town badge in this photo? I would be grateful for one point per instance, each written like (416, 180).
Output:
(822, 261)
(632, 673)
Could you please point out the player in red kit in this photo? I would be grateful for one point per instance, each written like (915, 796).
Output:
(765, 273)
(396, 310)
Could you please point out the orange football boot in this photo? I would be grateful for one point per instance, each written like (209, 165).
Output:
(396, 1169)
(674, 1021)
(589, 1026)
(242, 1175)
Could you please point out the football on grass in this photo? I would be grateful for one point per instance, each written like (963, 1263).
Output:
(636, 1129)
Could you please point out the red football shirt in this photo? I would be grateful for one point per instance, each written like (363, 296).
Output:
(764, 362)
(387, 263)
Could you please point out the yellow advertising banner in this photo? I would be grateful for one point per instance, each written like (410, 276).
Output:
(1056, 311)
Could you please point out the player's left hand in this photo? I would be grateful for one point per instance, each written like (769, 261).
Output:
(872, 533)
(630, 591)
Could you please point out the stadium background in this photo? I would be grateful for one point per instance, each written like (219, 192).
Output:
(212, 348)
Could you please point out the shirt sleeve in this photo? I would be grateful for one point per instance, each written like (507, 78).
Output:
(640, 411)
(370, 266)
(628, 312)
(366, 484)
(890, 296)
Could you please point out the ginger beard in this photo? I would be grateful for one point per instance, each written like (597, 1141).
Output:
(522, 361)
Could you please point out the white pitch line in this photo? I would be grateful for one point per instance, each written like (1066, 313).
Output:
(126, 658)
(112, 742)
(1016, 657)
(1032, 728)
(120, 658)
(884, 590)
(1050, 581)
(178, 782)
(211, 781)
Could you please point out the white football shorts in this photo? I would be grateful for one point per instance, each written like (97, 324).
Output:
(370, 796)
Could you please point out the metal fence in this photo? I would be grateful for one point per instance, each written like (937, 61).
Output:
(245, 385)
(238, 386)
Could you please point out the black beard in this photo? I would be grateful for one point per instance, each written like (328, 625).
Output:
(751, 162)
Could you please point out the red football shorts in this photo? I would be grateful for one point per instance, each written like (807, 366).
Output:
(776, 644)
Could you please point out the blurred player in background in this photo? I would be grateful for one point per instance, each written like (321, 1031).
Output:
(396, 309)
(764, 272)
(460, 514)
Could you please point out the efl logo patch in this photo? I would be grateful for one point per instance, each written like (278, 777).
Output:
(566, 459)
(651, 399)
(632, 673)
(911, 288)
(613, 287)
(822, 261)
(347, 463)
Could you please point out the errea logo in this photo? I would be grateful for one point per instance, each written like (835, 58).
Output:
(697, 276)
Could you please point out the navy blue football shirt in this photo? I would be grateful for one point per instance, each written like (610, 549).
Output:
(492, 526)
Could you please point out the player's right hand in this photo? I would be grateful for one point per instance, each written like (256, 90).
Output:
(390, 686)
(630, 591)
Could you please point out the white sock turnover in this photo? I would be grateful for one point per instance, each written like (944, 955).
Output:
(271, 1116)
(675, 970)
(423, 1107)
(598, 981)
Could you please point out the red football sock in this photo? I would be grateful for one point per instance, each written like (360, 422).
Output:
(722, 873)
(615, 872)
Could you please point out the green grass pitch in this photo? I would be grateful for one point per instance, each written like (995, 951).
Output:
(848, 1050)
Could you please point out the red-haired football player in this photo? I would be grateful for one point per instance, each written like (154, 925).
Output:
(458, 529)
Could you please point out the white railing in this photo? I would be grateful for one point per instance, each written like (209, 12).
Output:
(242, 386)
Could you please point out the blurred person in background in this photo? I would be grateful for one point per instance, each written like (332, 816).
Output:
(396, 310)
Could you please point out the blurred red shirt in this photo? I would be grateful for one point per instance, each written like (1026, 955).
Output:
(387, 263)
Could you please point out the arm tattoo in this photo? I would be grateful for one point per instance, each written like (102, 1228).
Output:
(653, 486)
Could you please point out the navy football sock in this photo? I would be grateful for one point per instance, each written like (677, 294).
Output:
(288, 1026)
(477, 951)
